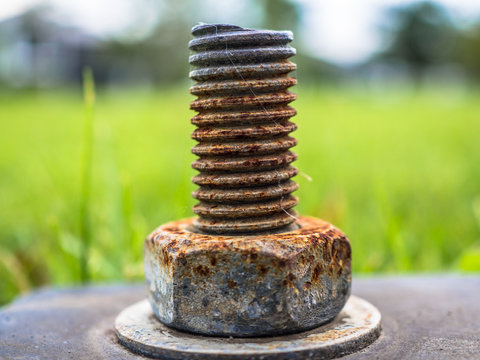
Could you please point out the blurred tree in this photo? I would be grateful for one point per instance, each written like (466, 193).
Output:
(280, 14)
(422, 35)
(469, 55)
(161, 57)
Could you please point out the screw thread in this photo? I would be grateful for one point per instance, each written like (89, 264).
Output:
(242, 129)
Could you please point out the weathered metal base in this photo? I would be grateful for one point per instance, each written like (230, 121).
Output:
(357, 326)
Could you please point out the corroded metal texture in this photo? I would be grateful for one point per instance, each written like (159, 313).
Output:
(247, 285)
(356, 327)
(242, 129)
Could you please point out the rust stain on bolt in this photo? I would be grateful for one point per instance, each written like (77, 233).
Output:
(243, 126)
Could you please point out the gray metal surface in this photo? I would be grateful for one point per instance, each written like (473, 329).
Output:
(260, 285)
(426, 317)
(356, 327)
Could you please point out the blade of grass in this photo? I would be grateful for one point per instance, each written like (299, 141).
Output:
(13, 266)
(86, 172)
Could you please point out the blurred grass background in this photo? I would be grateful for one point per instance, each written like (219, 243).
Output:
(388, 129)
(398, 172)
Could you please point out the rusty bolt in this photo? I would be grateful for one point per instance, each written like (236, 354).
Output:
(248, 265)
(242, 129)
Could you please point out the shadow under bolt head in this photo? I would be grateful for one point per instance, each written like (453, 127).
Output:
(247, 285)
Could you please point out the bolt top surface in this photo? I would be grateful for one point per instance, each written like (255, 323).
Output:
(203, 28)
(206, 29)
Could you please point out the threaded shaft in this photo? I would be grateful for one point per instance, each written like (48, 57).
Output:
(242, 129)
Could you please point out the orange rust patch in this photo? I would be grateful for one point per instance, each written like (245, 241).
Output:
(202, 270)
(262, 269)
(282, 263)
(317, 271)
(232, 284)
(289, 280)
(213, 260)
(165, 258)
(316, 238)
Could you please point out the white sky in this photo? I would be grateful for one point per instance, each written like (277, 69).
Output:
(342, 31)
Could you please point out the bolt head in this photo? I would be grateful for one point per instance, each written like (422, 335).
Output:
(247, 285)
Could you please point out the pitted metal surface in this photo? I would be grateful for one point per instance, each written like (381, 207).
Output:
(243, 127)
(356, 327)
(247, 285)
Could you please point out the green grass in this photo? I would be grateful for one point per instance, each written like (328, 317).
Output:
(399, 172)
(87, 162)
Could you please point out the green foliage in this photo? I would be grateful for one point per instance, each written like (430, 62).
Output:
(470, 51)
(398, 172)
(422, 34)
(280, 14)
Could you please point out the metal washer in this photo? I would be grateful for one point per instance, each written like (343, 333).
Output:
(357, 326)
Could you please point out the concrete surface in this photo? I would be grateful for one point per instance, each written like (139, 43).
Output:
(424, 317)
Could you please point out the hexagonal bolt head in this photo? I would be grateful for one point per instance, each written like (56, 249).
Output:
(247, 285)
